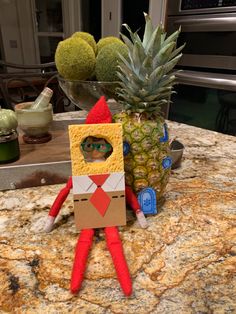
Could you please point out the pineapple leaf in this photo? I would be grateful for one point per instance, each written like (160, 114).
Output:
(125, 61)
(154, 43)
(165, 95)
(172, 37)
(166, 80)
(147, 62)
(135, 58)
(129, 76)
(127, 88)
(164, 89)
(148, 30)
(163, 54)
(126, 72)
(159, 102)
(135, 98)
(137, 38)
(163, 37)
(169, 65)
(151, 98)
(157, 73)
(141, 51)
(143, 92)
(127, 41)
(132, 35)
(176, 51)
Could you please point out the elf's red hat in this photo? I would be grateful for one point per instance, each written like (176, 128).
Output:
(100, 113)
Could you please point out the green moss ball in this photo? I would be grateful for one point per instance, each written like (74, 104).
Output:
(107, 61)
(107, 41)
(88, 38)
(75, 59)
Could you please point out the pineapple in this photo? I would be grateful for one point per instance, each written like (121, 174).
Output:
(146, 83)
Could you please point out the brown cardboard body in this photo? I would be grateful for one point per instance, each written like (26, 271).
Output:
(87, 216)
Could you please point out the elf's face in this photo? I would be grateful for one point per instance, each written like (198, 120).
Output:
(95, 149)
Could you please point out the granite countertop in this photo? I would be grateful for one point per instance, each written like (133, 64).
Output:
(184, 262)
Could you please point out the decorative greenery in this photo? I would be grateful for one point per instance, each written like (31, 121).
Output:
(81, 58)
(107, 61)
(107, 41)
(8, 121)
(88, 38)
(75, 59)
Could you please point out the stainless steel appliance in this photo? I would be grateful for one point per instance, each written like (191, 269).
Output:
(206, 100)
(208, 27)
(206, 93)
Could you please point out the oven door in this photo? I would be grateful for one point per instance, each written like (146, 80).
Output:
(205, 100)
(210, 40)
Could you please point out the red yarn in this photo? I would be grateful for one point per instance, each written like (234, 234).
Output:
(100, 113)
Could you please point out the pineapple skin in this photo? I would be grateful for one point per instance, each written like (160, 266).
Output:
(143, 163)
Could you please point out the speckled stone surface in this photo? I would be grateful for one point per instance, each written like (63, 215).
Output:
(184, 262)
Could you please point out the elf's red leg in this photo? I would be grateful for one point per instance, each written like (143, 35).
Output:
(115, 247)
(81, 254)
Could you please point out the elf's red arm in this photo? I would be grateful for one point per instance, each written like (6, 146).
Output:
(60, 199)
(56, 206)
(132, 199)
(134, 204)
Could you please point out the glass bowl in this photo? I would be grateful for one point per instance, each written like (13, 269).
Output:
(84, 94)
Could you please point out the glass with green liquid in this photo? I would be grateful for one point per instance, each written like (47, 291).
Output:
(9, 147)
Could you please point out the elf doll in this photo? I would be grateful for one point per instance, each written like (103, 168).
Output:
(99, 191)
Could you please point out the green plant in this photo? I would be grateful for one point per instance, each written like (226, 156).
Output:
(107, 41)
(88, 38)
(75, 59)
(107, 61)
(8, 121)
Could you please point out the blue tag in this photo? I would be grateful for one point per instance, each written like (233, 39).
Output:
(126, 148)
(167, 162)
(165, 136)
(147, 201)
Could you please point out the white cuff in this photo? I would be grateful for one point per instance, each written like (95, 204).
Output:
(141, 219)
(49, 223)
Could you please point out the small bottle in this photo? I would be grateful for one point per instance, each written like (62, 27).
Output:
(42, 100)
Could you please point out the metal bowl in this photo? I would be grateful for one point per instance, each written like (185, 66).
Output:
(176, 151)
(84, 94)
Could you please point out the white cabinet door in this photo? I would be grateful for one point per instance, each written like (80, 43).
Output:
(111, 17)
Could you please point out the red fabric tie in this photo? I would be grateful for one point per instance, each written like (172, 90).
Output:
(100, 199)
